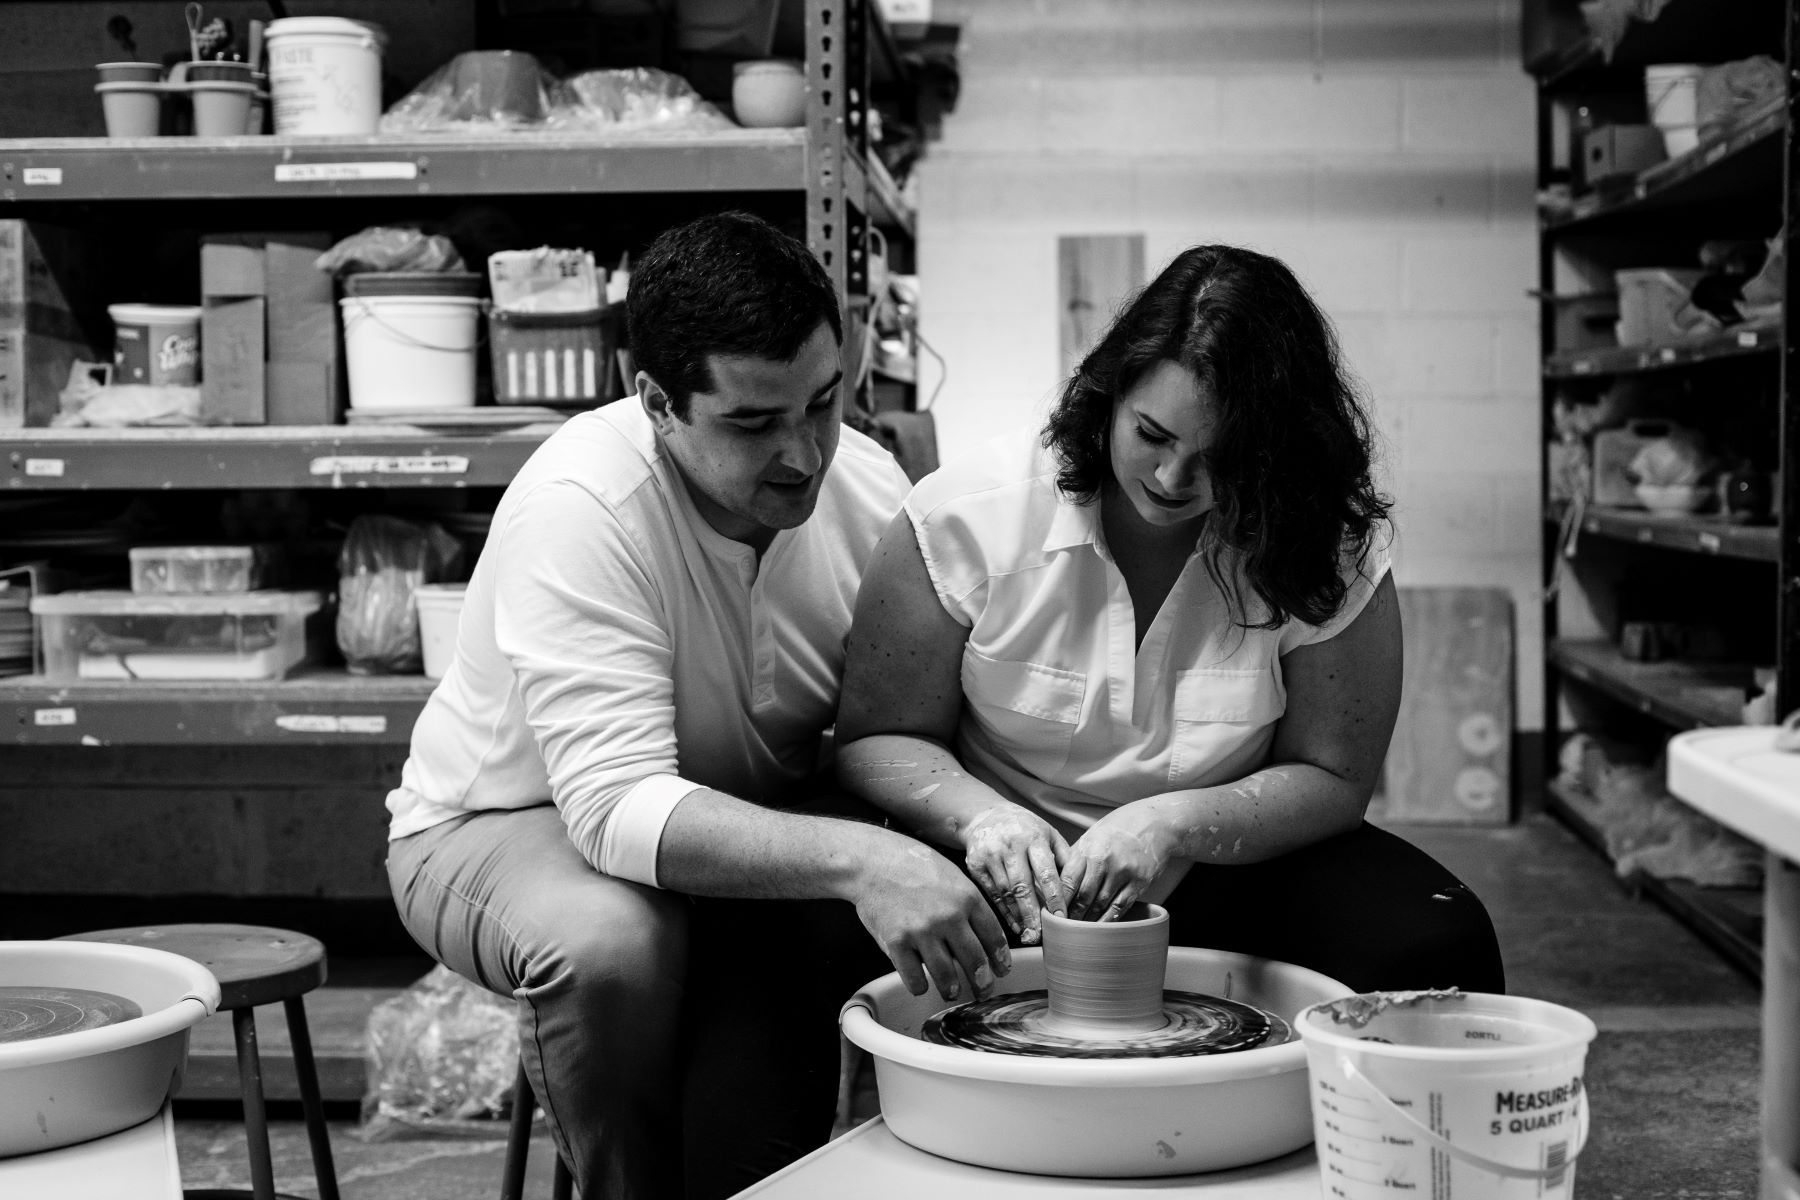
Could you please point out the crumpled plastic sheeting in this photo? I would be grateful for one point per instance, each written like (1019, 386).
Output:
(631, 100)
(1730, 90)
(1609, 20)
(382, 563)
(442, 1057)
(390, 248)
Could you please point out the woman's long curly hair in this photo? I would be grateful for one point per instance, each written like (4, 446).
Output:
(1290, 465)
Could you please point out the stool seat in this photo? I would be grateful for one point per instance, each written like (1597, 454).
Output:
(254, 964)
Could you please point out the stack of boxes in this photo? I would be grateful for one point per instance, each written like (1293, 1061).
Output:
(268, 331)
(48, 286)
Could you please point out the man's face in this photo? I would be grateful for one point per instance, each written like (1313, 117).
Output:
(755, 449)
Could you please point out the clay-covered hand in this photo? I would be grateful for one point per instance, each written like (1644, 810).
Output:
(927, 917)
(1015, 856)
(1115, 861)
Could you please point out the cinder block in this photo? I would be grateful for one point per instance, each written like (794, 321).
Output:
(1307, 111)
(1493, 111)
(1403, 192)
(1519, 517)
(1061, 195)
(1348, 274)
(994, 114)
(1416, 34)
(1229, 34)
(1480, 274)
(1446, 514)
(1112, 115)
(1223, 191)
(1442, 356)
(987, 272)
(1518, 357)
(1479, 437)
(1363, 341)
(1515, 193)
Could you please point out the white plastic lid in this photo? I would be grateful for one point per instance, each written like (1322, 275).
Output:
(184, 604)
(153, 314)
(325, 26)
(193, 553)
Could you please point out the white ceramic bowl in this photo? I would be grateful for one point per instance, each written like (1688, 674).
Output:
(1672, 500)
(1105, 1118)
(768, 93)
(73, 1087)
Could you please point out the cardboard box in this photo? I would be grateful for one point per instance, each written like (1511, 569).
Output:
(34, 368)
(1613, 150)
(233, 348)
(50, 277)
(295, 339)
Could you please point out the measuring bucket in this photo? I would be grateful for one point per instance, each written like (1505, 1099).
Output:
(1441, 1095)
(410, 352)
(324, 75)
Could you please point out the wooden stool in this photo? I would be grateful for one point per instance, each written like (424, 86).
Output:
(254, 965)
(518, 1146)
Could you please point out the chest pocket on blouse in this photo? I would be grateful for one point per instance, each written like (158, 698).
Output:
(1218, 712)
(1027, 710)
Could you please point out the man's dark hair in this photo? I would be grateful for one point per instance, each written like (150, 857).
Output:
(1290, 466)
(729, 283)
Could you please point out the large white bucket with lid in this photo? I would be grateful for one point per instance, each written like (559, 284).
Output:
(324, 75)
(410, 352)
(1441, 1095)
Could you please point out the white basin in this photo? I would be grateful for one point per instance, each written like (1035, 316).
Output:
(1736, 776)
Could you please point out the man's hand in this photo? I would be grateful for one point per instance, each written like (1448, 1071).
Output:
(1014, 856)
(928, 917)
(1115, 861)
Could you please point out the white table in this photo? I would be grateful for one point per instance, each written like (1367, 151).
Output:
(870, 1163)
(1738, 778)
(138, 1162)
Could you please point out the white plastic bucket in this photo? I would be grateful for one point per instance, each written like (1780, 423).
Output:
(440, 608)
(410, 352)
(156, 344)
(1671, 91)
(324, 75)
(1474, 1095)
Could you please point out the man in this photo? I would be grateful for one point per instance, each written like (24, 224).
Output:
(612, 807)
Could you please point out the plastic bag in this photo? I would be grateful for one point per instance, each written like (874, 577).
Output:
(634, 100)
(384, 559)
(390, 248)
(84, 400)
(482, 90)
(442, 1057)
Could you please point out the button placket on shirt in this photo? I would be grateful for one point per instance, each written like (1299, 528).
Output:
(762, 639)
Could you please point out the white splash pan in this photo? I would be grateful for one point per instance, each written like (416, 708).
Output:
(1100, 1118)
(73, 1087)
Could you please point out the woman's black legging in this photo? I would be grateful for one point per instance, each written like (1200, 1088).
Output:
(1367, 908)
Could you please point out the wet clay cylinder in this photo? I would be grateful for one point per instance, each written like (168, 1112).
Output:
(1106, 978)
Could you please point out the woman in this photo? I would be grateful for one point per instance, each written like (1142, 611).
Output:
(1156, 654)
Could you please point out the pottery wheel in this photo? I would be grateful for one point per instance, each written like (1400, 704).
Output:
(1018, 1023)
(28, 1013)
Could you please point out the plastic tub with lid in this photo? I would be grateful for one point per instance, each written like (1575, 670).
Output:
(123, 635)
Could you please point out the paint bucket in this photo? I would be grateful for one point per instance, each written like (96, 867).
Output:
(1473, 1095)
(324, 75)
(157, 344)
(440, 608)
(1672, 94)
(409, 351)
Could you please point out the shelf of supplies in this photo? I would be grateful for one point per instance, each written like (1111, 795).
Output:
(1683, 31)
(1692, 534)
(1728, 919)
(55, 170)
(1626, 360)
(1684, 695)
(271, 456)
(314, 707)
(1727, 165)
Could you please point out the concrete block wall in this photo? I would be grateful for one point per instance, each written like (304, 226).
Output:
(1382, 148)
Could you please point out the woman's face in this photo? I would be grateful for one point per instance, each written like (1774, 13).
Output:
(1162, 431)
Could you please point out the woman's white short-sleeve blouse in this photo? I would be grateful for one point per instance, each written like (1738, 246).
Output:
(1060, 710)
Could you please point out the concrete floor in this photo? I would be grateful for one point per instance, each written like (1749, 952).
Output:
(1673, 1076)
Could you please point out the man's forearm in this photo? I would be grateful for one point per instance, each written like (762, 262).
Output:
(717, 845)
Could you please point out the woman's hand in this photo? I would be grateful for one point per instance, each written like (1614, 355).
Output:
(1111, 865)
(1014, 856)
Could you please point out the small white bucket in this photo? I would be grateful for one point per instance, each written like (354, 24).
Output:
(440, 608)
(1671, 91)
(324, 75)
(1443, 1094)
(410, 352)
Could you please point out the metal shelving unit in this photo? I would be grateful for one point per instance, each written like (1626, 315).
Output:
(828, 165)
(1738, 183)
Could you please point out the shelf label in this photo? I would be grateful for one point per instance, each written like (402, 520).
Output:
(327, 723)
(42, 176)
(1747, 338)
(390, 464)
(53, 716)
(44, 468)
(1667, 354)
(1711, 542)
(341, 172)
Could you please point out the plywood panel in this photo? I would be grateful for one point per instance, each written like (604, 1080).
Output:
(1094, 273)
(1450, 759)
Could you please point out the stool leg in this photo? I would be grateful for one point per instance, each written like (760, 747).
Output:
(518, 1139)
(256, 1121)
(308, 1074)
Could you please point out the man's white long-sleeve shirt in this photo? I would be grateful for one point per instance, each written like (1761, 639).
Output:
(615, 652)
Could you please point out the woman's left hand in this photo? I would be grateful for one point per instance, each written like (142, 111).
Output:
(1111, 866)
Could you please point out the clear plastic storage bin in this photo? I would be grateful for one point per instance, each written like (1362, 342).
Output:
(123, 635)
(161, 570)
